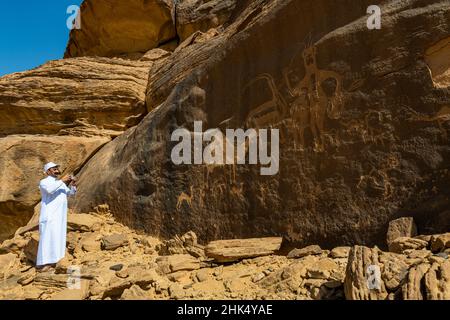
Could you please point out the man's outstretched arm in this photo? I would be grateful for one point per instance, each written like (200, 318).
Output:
(52, 186)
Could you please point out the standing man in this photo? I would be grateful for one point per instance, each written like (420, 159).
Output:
(53, 216)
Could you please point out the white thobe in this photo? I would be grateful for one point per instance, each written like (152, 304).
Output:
(53, 220)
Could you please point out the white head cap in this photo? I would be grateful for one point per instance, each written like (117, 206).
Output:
(50, 165)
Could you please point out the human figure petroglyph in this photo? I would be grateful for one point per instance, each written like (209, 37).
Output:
(311, 104)
(311, 99)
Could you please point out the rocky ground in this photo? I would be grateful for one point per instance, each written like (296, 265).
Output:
(116, 262)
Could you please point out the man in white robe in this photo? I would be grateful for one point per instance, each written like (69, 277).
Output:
(53, 216)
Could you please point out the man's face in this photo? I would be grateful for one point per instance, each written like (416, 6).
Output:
(54, 172)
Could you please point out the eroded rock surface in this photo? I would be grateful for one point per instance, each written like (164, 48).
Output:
(372, 274)
(111, 28)
(81, 96)
(362, 143)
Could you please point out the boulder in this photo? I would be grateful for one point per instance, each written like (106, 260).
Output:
(177, 262)
(31, 248)
(394, 270)
(116, 27)
(116, 267)
(6, 261)
(138, 276)
(27, 278)
(440, 242)
(33, 223)
(189, 239)
(437, 281)
(426, 238)
(48, 280)
(324, 269)
(114, 241)
(186, 244)
(75, 97)
(437, 59)
(360, 284)
(82, 222)
(421, 254)
(422, 277)
(412, 288)
(134, 293)
(404, 243)
(295, 276)
(155, 55)
(64, 265)
(374, 141)
(402, 227)
(176, 292)
(238, 249)
(14, 245)
(306, 251)
(23, 157)
(89, 243)
(202, 275)
(73, 242)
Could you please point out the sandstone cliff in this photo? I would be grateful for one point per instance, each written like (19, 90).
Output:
(373, 146)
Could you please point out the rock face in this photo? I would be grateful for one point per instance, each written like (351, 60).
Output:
(402, 227)
(111, 28)
(21, 161)
(362, 116)
(82, 96)
(202, 15)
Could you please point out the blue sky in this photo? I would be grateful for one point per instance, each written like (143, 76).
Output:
(32, 32)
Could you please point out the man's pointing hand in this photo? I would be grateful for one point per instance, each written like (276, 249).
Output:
(66, 179)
